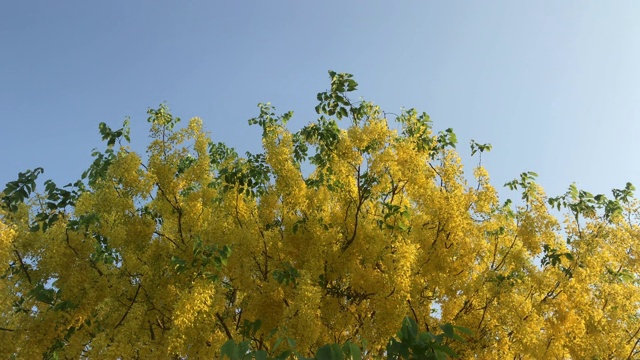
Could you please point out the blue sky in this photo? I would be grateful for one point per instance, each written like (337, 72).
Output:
(554, 86)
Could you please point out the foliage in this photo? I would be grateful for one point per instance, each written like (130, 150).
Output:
(409, 343)
(317, 247)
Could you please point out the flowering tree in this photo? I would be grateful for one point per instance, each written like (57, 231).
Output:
(318, 246)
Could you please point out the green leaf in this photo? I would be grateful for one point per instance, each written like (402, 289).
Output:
(444, 349)
(260, 355)
(352, 85)
(330, 352)
(277, 344)
(64, 305)
(229, 349)
(447, 329)
(42, 294)
(467, 331)
(343, 112)
(351, 351)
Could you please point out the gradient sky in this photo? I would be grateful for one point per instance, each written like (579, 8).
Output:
(554, 86)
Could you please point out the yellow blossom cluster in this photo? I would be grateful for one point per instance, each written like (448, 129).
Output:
(330, 235)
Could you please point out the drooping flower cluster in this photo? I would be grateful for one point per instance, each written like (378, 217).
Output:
(330, 235)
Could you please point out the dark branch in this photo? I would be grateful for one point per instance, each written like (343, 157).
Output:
(130, 306)
(224, 326)
(23, 266)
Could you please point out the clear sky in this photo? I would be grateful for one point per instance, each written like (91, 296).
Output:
(553, 85)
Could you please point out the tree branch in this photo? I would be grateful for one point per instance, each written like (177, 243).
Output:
(224, 326)
(23, 266)
(130, 306)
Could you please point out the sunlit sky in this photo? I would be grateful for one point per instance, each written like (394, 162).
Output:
(554, 86)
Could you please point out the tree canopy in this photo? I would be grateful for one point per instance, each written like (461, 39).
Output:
(324, 244)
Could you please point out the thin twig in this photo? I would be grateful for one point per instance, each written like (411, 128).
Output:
(633, 350)
(23, 266)
(130, 306)
(414, 312)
